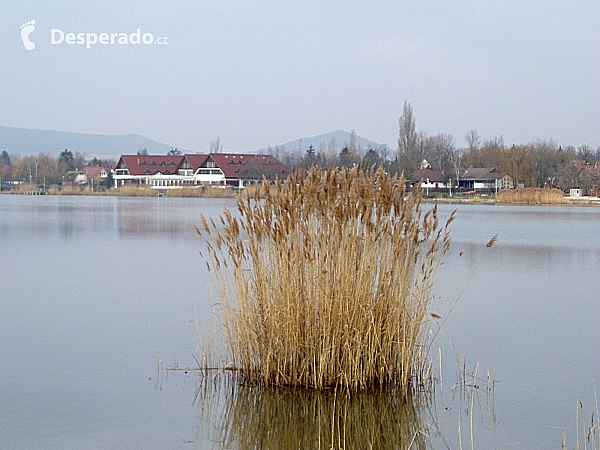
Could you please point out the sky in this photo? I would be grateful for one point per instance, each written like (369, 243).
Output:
(259, 73)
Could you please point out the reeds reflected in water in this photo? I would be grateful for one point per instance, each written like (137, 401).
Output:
(280, 419)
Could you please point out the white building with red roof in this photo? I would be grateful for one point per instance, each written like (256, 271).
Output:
(176, 171)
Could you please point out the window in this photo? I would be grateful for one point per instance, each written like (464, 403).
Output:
(143, 163)
(153, 163)
(162, 164)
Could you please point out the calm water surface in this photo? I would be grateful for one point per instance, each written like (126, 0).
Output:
(95, 290)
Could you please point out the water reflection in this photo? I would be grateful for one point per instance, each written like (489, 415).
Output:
(279, 419)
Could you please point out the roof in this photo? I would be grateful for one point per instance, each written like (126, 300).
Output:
(233, 165)
(94, 171)
(477, 173)
(197, 160)
(150, 164)
(432, 175)
(237, 165)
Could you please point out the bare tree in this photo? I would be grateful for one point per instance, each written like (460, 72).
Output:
(438, 150)
(408, 151)
(80, 160)
(353, 146)
(585, 153)
(332, 153)
(216, 146)
(473, 140)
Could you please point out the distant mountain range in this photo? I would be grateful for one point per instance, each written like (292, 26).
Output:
(342, 139)
(24, 141)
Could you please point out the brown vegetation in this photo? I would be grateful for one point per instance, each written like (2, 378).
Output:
(532, 196)
(327, 281)
(203, 191)
(134, 190)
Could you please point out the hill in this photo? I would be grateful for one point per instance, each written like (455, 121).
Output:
(24, 141)
(342, 138)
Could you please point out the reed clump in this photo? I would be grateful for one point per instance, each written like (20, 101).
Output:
(532, 196)
(327, 281)
(134, 190)
(203, 191)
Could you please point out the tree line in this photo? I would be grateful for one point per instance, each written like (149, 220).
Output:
(542, 163)
(44, 168)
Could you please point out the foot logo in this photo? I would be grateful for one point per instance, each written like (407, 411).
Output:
(26, 30)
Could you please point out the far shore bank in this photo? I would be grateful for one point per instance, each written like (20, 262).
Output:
(231, 192)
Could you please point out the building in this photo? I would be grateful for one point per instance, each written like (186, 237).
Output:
(96, 175)
(482, 179)
(176, 171)
(430, 179)
(478, 179)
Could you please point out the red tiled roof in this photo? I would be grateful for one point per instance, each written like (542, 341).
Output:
(237, 165)
(196, 160)
(94, 171)
(150, 164)
(233, 165)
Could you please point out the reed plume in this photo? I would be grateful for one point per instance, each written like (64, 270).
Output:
(326, 281)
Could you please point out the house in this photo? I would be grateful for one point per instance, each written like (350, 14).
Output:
(96, 175)
(481, 179)
(176, 171)
(243, 169)
(472, 179)
(430, 179)
(164, 171)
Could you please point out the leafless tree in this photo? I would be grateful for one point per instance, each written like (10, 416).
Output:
(408, 151)
(585, 153)
(473, 140)
(216, 146)
(438, 151)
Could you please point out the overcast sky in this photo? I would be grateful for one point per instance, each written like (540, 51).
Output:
(260, 73)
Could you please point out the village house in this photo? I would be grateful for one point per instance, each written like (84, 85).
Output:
(430, 179)
(477, 179)
(481, 179)
(176, 171)
(96, 173)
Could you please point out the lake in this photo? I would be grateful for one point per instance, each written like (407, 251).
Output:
(98, 292)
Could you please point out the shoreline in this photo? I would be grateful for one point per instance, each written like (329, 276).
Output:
(232, 192)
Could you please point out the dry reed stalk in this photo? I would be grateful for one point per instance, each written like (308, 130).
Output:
(327, 281)
(532, 196)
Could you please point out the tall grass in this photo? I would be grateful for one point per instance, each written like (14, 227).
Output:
(326, 282)
(203, 191)
(134, 190)
(532, 196)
